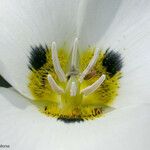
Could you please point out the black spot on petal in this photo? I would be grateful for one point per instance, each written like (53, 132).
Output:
(37, 57)
(112, 61)
(70, 120)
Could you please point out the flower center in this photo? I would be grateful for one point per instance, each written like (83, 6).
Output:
(74, 87)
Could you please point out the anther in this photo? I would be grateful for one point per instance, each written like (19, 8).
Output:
(90, 65)
(92, 88)
(74, 53)
(55, 87)
(60, 73)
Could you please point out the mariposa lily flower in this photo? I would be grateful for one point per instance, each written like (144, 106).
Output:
(31, 30)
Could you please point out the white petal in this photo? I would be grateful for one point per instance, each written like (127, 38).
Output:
(130, 24)
(22, 127)
(31, 22)
(94, 19)
(129, 33)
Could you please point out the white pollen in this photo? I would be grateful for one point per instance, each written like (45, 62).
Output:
(55, 87)
(90, 89)
(74, 53)
(60, 73)
(90, 65)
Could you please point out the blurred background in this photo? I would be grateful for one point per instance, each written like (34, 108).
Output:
(4, 83)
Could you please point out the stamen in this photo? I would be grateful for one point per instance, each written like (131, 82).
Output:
(73, 89)
(90, 89)
(55, 87)
(90, 65)
(74, 54)
(60, 73)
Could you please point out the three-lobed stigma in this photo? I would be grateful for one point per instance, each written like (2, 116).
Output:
(74, 87)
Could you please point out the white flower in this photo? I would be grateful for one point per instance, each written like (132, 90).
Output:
(119, 24)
